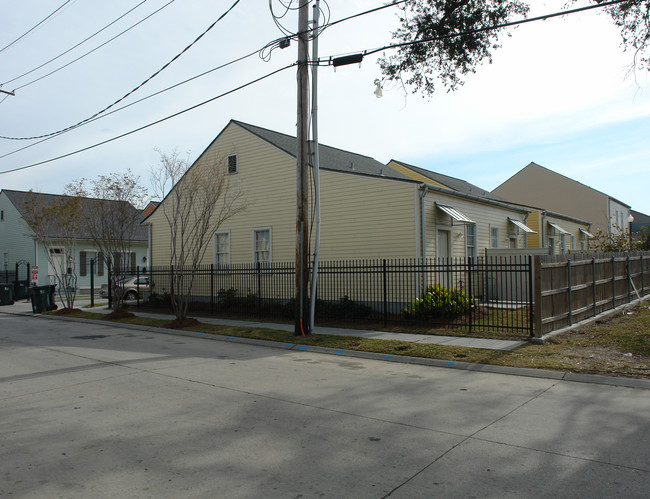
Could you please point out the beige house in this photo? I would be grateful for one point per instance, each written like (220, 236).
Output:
(535, 185)
(368, 210)
(560, 233)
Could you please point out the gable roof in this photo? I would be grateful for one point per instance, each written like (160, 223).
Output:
(534, 166)
(21, 199)
(453, 183)
(331, 158)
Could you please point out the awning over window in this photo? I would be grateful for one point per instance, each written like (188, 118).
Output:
(521, 225)
(558, 228)
(455, 214)
(588, 235)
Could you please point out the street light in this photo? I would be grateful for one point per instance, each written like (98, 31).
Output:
(630, 219)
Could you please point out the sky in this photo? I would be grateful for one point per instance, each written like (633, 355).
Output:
(559, 93)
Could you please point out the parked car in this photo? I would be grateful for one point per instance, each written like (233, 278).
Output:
(130, 286)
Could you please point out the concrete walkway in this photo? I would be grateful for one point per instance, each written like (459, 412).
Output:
(24, 307)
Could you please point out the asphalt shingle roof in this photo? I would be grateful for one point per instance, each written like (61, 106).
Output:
(21, 199)
(331, 158)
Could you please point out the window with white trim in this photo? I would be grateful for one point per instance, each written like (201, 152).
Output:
(470, 240)
(494, 237)
(262, 246)
(232, 163)
(222, 249)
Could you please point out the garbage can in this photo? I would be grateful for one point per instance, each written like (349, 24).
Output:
(6, 294)
(21, 290)
(52, 297)
(40, 298)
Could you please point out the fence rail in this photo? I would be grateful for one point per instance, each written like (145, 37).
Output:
(571, 288)
(491, 293)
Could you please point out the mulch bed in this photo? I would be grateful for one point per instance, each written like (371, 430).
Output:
(180, 324)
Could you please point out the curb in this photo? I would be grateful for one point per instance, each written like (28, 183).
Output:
(403, 359)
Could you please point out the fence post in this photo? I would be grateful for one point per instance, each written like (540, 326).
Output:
(593, 271)
(212, 289)
(613, 282)
(259, 291)
(642, 281)
(538, 297)
(92, 282)
(137, 286)
(629, 279)
(530, 296)
(110, 284)
(469, 290)
(570, 292)
(385, 294)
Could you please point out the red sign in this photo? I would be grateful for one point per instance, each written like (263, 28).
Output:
(35, 274)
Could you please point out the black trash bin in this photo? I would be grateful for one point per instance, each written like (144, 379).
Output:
(6, 294)
(41, 299)
(52, 300)
(21, 290)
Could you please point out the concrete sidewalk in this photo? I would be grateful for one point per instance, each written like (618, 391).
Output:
(24, 307)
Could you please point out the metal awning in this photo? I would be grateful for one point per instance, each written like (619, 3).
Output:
(558, 228)
(521, 225)
(455, 214)
(587, 233)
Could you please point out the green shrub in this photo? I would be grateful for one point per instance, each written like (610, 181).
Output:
(438, 302)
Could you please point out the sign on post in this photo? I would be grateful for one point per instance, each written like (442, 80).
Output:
(34, 275)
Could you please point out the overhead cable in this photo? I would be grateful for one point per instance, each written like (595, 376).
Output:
(96, 48)
(136, 88)
(240, 87)
(75, 46)
(34, 27)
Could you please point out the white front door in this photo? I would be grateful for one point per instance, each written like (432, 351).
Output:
(55, 264)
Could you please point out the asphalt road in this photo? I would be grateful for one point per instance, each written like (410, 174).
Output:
(92, 410)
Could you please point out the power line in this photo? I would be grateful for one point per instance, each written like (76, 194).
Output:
(34, 27)
(136, 88)
(75, 46)
(96, 48)
(497, 26)
(191, 108)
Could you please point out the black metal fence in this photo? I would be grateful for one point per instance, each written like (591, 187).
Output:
(482, 294)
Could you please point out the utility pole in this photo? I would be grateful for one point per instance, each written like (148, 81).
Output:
(302, 180)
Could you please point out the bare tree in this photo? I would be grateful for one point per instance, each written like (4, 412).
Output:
(112, 218)
(195, 204)
(55, 221)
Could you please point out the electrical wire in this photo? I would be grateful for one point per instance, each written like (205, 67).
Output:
(75, 46)
(135, 89)
(96, 48)
(144, 127)
(34, 27)
(497, 26)
(104, 115)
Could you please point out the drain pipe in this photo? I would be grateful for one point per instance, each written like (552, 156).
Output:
(423, 239)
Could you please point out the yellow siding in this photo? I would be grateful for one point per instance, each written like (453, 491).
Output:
(533, 223)
(362, 217)
(411, 174)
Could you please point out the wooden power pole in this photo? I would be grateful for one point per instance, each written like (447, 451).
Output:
(302, 181)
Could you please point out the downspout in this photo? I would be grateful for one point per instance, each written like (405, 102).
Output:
(423, 243)
(423, 239)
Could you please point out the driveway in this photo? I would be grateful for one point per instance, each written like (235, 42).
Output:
(101, 411)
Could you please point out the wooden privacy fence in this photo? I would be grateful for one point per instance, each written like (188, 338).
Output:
(571, 288)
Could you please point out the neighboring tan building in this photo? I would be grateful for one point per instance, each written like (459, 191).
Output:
(561, 233)
(535, 185)
(368, 209)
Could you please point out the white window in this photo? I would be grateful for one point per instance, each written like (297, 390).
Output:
(232, 163)
(470, 240)
(562, 244)
(222, 249)
(262, 246)
(573, 241)
(551, 244)
(494, 237)
(512, 242)
(123, 263)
